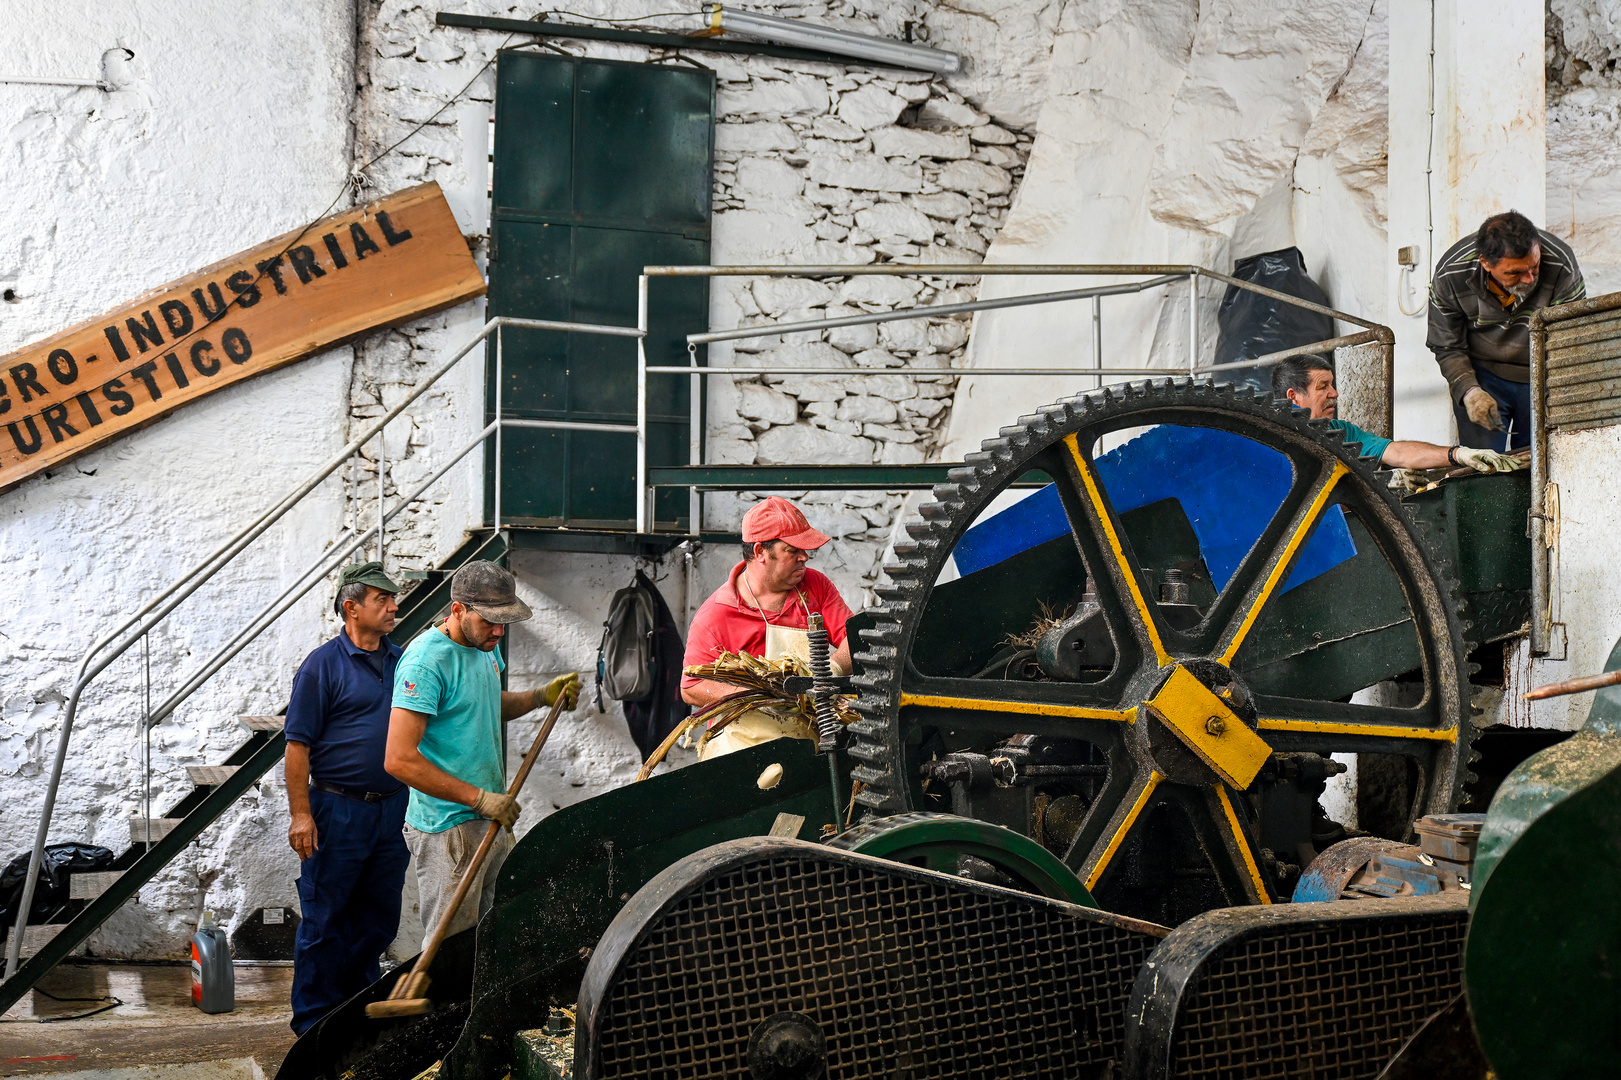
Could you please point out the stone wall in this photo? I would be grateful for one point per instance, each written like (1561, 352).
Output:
(814, 162)
(198, 152)
(215, 133)
(1584, 135)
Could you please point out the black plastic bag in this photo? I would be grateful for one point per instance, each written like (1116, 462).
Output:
(51, 892)
(1251, 325)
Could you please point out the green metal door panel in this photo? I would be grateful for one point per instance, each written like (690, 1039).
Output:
(601, 478)
(534, 477)
(584, 197)
(534, 123)
(532, 283)
(607, 263)
(636, 114)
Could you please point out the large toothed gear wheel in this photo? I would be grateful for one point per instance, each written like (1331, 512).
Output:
(1168, 734)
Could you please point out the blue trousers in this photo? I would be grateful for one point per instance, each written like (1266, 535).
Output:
(1513, 402)
(349, 890)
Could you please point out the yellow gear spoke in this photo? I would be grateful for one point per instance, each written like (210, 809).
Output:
(1121, 825)
(1094, 494)
(1228, 821)
(1029, 708)
(1302, 529)
(1337, 727)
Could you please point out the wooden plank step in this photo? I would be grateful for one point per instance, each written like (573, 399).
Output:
(161, 827)
(210, 775)
(91, 885)
(262, 723)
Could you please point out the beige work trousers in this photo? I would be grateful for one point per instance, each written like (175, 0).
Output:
(442, 859)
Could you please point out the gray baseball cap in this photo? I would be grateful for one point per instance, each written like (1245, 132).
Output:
(489, 590)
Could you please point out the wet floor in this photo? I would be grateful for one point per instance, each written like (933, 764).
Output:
(156, 1024)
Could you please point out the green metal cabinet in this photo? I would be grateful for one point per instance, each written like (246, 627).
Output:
(601, 168)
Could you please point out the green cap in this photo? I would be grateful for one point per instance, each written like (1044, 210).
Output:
(366, 573)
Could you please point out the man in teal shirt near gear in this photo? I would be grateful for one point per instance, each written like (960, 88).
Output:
(1308, 383)
(444, 740)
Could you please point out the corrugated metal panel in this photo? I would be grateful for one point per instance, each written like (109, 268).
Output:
(601, 168)
(1584, 371)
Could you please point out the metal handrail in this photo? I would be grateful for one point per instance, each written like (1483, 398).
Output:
(1158, 274)
(113, 644)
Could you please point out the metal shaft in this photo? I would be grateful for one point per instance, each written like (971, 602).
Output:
(827, 718)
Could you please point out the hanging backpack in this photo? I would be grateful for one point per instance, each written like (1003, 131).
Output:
(626, 668)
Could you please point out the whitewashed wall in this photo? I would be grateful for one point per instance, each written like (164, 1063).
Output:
(220, 132)
(1156, 131)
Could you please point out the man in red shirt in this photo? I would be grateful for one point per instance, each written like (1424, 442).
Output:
(763, 610)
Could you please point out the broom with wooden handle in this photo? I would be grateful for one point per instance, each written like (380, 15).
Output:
(409, 996)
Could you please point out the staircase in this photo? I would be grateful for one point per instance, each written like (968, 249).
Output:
(219, 786)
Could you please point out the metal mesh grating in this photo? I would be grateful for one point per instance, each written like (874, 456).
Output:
(1584, 371)
(906, 976)
(1320, 999)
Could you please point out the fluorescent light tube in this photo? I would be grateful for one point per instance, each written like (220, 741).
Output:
(805, 35)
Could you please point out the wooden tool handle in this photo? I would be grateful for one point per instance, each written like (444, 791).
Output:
(406, 987)
(1574, 686)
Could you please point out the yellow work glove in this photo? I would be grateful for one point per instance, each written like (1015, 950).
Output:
(1482, 409)
(1487, 461)
(497, 807)
(567, 686)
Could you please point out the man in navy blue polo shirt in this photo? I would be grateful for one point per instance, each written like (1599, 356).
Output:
(347, 811)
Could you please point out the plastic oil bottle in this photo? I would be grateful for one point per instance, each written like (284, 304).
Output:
(213, 980)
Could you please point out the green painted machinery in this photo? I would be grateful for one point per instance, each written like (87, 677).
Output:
(1135, 712)
(1543, 959)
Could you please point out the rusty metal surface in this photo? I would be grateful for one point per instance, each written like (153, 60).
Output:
(1445, 1048)
(906, 972)
(1327, 990)
(1558, 337)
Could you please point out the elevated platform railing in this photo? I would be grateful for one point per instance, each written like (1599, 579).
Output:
(1372, 395)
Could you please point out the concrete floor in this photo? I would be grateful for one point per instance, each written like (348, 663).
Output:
(156, 1025)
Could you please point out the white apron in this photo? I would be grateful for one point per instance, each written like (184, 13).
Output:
(777, 722)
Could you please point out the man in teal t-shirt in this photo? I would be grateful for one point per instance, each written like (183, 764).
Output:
(444, 739)
(1308, 383)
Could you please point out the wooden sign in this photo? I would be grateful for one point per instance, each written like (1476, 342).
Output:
(387, 262)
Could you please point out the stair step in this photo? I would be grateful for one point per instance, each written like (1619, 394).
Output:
(262, 723)
(210, 775)
(161, 827)
(91, 885)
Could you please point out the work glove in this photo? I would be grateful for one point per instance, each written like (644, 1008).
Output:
(1482, 409)
(1408, 481)
(565, 686)
(498, 807)
(1487, 461)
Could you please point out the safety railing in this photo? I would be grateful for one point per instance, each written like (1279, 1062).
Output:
(1377, 414)
(135, 628)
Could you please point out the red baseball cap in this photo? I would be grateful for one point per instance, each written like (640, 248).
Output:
(778, 519)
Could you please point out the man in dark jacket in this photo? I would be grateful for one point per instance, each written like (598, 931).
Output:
(1485, 289)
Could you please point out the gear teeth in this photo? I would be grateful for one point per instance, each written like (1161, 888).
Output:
(927, 539)
(871, 753)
